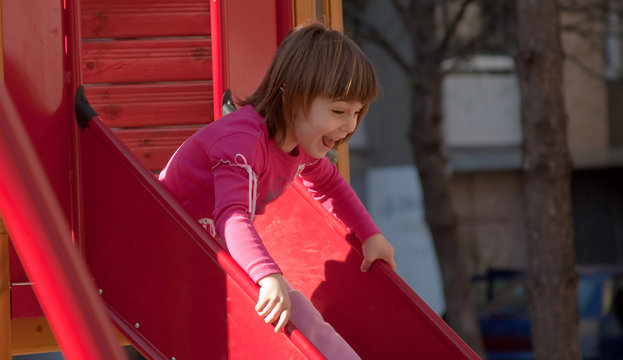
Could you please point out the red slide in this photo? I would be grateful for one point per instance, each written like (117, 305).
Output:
(175, 293)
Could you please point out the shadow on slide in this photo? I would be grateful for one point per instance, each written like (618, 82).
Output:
(376, 312)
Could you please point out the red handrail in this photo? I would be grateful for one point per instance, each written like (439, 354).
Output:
(42, 239)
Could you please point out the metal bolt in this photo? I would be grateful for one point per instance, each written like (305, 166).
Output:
(137, 325)
(173, 358)
(101, 291)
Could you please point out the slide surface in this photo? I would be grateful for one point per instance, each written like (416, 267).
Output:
(175, 293)
(376, 312)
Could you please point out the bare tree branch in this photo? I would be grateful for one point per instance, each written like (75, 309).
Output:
(451, 29)
(374, 36)
(369, 33)
(445, 14)
(584, 66)
(574, 7)
(404, 15)
(593, 37)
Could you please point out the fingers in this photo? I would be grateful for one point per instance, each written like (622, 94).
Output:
(376, 247)
(265, 309)
(392, 263)
(365, 265)
(368, 260)
(283, 320)
(261, 305)
(274, 302)
(274, 311)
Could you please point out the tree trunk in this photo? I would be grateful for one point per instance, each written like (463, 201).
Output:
(552, 280)
(426, 138)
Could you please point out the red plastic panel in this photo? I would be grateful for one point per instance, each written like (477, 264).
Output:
(161, 275)
(23, 301)
(146, 18)
(154, 281)
(376, 312)
(153, 104)
(127, 61)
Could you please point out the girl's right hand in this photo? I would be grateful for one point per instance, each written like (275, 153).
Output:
(274, 301)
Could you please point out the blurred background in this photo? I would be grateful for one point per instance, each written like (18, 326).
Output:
(481, 134)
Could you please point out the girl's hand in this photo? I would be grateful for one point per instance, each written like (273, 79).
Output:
(274, 302)
(376, 247)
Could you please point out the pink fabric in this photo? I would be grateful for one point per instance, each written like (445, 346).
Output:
(230, 170)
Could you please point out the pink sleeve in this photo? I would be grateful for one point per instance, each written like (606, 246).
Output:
(233, 219)
(338, 197)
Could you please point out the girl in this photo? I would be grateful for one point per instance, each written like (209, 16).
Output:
(315, 93)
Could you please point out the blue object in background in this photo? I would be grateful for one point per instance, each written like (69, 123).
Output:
(502, 300)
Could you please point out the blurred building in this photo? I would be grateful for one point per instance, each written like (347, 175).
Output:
(483, 140)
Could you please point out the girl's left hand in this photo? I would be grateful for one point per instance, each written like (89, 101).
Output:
(376, 247)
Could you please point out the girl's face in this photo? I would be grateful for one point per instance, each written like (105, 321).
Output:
(327, 121)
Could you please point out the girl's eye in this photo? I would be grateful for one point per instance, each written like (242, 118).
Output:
(338, 112)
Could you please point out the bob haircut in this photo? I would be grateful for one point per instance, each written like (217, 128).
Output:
(312, 61)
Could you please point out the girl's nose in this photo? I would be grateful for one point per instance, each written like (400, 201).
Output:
(350, 123)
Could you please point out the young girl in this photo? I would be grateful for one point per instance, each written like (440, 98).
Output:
(314, 95)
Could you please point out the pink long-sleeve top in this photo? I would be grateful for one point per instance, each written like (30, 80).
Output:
(230, 170)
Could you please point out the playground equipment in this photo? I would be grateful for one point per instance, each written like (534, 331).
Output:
(102, 243)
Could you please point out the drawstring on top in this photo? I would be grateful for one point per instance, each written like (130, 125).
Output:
(241, 161)
(252, 183)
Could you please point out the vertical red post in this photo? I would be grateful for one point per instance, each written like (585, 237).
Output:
(218, 63)
(285, 19)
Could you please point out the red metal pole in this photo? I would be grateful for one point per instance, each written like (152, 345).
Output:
(73, 66)
(218, 60)
(285, 19)
(42, 239)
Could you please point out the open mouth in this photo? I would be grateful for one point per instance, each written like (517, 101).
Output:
(329, 141)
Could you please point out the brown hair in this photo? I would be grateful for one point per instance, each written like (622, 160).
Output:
(312, 61)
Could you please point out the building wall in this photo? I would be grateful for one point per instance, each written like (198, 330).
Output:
(490, 209)
(585, 89)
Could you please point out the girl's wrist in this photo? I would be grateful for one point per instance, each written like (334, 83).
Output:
(275, 276)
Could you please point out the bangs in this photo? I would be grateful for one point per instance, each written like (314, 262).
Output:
(334, 67)
(353, 80)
